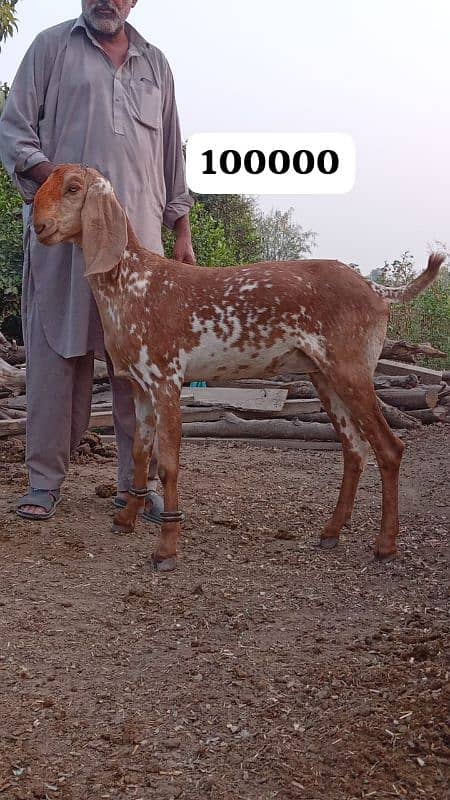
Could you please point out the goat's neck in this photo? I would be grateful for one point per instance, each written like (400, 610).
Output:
(131, 261)
(134, 247)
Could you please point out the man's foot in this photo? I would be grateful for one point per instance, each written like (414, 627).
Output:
(38, 504)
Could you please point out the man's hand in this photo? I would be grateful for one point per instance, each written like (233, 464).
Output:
(183, 250)
(40, 173)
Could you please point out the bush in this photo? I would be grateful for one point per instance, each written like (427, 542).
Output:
(11, 250)
(426, 319)
(211, 246)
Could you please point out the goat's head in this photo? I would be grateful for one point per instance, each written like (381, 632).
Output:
(77, 204)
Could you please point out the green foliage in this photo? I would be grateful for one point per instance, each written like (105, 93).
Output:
(8, 19)
(11, 250)
(398, 273)
(281, 238)
(4, 89)
(211, 247)
(376, 275)
(425, 319)
(238, 216)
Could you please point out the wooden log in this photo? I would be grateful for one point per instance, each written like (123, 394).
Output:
(19, 402)
(398, 381)
(13, 354)
(425, 375)
(398, 419)
(11, 413)
(259, 383)
(428, 416)
(250, 383)
(12, 427)
(245, 399)
(446, 376)
(394, 417)
(202, 414)
(301, 387)
(320, 416)
(297, 390)
(101, 419)
(291, 408)
(11, 378)
(101, 394)
(421, 397)
(100, 371)
(399, 350)
(234, 427)
(106, 406)
(100, 388)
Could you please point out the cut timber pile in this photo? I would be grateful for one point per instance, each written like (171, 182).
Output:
(286, 407)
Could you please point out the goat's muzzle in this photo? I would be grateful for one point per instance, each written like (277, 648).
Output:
(44, 230)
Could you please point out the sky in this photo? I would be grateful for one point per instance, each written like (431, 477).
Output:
(376, 69)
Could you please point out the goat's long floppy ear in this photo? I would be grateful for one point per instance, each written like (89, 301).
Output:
(104, 229)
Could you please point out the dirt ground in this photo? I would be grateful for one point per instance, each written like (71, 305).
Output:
(262, 668)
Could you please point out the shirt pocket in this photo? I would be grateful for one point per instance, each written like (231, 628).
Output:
(145, 103)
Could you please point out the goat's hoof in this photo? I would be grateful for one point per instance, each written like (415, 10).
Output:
(164, 564)
(329, 542)
(121, 530)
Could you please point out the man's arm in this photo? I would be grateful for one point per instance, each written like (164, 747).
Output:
(178, 200)
(40, 173)
(20, 148)
(182, 249)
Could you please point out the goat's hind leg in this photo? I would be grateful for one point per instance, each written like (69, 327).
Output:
(355, 450)
(361, 400)
(125, 519)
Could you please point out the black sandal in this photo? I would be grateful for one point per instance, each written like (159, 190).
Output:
(47, 499)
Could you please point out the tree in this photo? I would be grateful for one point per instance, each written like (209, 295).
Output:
(11, 251)
(425, 319)
(239, 217)
(376, 275)
(399, 272)
(11, 248)
(282, 239)
(8, 19)
(4, 88)
(211, 245)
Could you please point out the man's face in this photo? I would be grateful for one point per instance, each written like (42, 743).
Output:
(106, 16)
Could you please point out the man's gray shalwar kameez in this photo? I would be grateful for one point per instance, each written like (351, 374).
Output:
(68, 103)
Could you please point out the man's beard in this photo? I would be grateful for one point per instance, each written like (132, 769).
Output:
(98, 23)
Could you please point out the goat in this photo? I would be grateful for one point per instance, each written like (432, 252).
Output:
(166, 322)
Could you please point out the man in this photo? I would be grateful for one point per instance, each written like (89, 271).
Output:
(89, 91)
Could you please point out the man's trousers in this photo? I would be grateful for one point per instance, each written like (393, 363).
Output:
(59, 395)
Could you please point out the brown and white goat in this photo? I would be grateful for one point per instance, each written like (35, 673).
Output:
(166, 322)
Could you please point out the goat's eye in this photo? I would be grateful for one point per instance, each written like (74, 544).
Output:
(73, 189)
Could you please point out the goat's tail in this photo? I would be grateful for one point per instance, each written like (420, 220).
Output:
(402, 294)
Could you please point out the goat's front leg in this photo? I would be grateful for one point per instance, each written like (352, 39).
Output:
(125, 519)
(168, 423)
